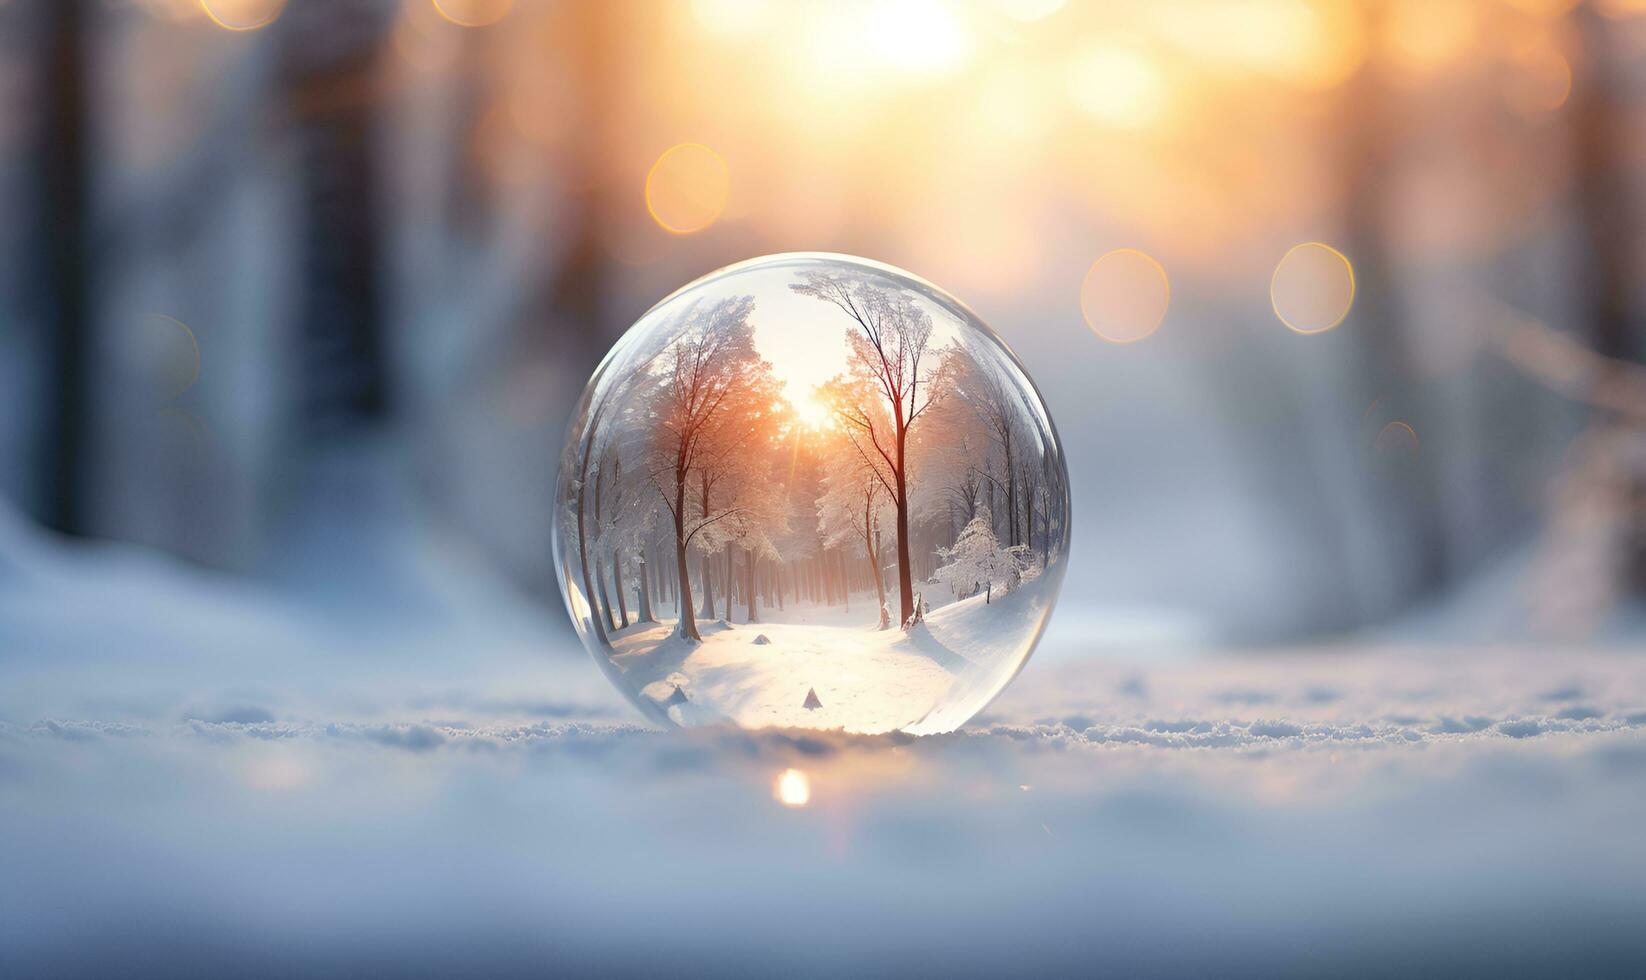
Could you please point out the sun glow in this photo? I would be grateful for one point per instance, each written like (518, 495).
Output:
(919, 36)
(812, 411)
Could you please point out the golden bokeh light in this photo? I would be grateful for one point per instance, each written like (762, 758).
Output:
(793, 788)
(1338, 46)
(473, 13)
(242, 15)
(172, 11)
(1117, 86)
(1125, 295)
(687, 188)
(1311, 44)
(1313, 288)
(1426, 37)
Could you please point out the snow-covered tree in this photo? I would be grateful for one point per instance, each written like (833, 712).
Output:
(894, 355)
(712, 408)
(978, 561)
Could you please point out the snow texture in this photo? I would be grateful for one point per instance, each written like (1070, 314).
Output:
(205, 779)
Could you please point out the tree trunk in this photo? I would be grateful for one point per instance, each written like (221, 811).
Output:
(646, 614)
(605, 597)
(617, 583)
(1011, 491)
(879, 590)
(687, 628)
(660, 580)
(989, 481)
(871, 545)
(752, 596)
(665, 584)
(1051, 487)
(707, 612)
(905, 584)
(728, 580)
(595, 622)
(845, 579)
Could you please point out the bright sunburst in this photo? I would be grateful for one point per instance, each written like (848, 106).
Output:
(812, 411)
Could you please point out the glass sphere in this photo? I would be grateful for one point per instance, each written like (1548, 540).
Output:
(811, 491)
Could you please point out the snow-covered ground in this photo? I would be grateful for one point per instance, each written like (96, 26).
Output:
(200, 777)
(866, 680)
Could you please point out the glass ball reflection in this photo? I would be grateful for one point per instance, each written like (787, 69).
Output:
(811, 491)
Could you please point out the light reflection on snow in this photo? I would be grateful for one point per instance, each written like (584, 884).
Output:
(793, 788)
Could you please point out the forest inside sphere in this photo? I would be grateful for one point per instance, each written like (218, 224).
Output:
(812, 491)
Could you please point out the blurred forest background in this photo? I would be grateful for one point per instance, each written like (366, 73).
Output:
(287, 285)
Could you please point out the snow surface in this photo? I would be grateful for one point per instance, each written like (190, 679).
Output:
(869, 680)
(201, 777)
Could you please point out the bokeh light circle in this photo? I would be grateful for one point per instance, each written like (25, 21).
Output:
(1313, 288)
(473, 13)
(687, 188)
(1397, 438)
(1125, 295)
(242, 15)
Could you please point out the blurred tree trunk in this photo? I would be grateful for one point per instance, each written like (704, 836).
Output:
(1600, 127)
(330, 62)
(63, 212)
(1414, 561)
(578, 292)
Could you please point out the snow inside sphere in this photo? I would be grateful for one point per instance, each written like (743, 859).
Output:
(811, 491)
